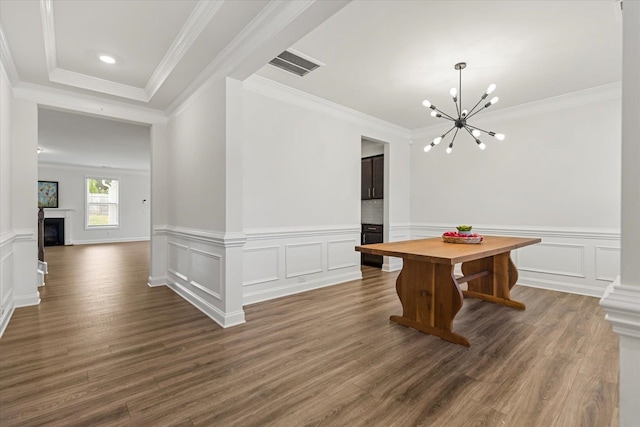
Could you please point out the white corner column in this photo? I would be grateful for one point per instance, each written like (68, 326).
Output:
(622, 298)
(24, 201)
(234, 237)
(159, 205)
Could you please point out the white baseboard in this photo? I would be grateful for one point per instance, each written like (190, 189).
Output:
(26, 300)
(4, 321)
(223, 319)
(295, 288)
(554, 285)
(153, 282)
(119, 240)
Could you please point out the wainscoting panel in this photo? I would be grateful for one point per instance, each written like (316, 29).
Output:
(303, 259)
(341, 254)
(195, 269)
(580, 261)
(553, 258)
(179, 260)
(265, 265)
(206, 272)
(607, 263)
(280, 262)
(6, 284)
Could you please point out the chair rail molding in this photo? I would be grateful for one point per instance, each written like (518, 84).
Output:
(285, 261)
(574, 260)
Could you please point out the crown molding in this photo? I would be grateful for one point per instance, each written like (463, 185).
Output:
(83, 81)
(92, 169)
(196, 23)
(7, 60)
(88, 104)
(203, 13)
(275, 90)
(49, 34)
(548, 105)
(275, 16)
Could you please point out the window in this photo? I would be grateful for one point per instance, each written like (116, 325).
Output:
(102, 202)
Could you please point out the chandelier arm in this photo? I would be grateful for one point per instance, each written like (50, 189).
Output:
(445, 115)
(471, 115)
(481, 130)
(457, 109)
(460, 94)
(447, 132)
(466, 127)
(475, 106)
(454, 136)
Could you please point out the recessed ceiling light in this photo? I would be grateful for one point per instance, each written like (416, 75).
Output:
(107, 59)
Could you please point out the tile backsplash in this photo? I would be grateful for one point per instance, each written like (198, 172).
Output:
(372, 211)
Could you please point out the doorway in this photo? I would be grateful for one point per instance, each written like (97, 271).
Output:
(372, 185)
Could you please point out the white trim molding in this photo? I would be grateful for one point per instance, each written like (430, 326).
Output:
(622, 305)
(283, 261)
(197, 261)
(88, 104)
(200, 17)
(567, 260)
(7, 59)
(269, 22)
(275, 90)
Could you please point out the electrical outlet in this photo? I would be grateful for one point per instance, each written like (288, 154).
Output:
(302, 279)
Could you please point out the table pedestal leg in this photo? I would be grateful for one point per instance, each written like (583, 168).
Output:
(430, 299)
(496, 286)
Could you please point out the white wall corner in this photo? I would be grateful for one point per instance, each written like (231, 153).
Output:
(622, 305)
(9, 66)
(153, 282)
(7, 313)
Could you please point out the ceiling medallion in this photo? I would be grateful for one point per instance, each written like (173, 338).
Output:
(463, 116)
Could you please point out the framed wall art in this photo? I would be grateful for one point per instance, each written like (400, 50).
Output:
(47, 194)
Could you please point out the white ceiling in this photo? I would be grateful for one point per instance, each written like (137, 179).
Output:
(385, 57)
(382, 57)
(81, 140)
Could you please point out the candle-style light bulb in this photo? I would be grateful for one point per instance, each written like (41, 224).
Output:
(490, 89)
(494, 100)
(450, 148)
(428, 147)
(475, 133)
(437, 140)
(500, 136)
(426, 103)
(454, 94)
(464, 113)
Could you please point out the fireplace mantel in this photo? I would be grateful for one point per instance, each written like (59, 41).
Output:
(67, 214)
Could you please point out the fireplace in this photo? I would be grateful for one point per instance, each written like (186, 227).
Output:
(53, 231)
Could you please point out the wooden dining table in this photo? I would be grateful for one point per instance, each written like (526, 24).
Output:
(430, 292)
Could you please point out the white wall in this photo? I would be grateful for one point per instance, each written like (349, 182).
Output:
(202, 245)
(557, 168)
(556, 176)
(196, 166)
(134, 215)
(301, 186)
(6, 237)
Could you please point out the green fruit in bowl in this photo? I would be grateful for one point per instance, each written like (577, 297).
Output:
(464, 227)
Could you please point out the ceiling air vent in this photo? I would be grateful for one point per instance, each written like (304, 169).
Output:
(294, 63)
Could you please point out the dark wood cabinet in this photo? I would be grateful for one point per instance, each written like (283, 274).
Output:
(372, 184)
(371, 233)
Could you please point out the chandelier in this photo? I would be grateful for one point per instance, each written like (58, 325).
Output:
(463, 116)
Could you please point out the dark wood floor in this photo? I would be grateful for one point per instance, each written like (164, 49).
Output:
(105, 349)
